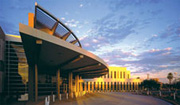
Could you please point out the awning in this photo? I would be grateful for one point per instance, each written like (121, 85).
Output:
(52, 53)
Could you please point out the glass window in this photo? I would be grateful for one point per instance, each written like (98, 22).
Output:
(121, 75)
(114, 74)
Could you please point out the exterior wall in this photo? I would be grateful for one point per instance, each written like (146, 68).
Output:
(16, 69)
(2, 73)
(118, 79)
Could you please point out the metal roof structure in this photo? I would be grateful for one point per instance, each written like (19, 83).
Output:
(52, 45)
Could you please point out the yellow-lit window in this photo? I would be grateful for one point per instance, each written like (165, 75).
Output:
(124, 75)
(114, 74)
(121, 74)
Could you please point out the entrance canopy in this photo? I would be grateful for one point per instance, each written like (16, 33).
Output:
(50, 49)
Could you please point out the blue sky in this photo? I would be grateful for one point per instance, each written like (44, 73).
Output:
(142, 35)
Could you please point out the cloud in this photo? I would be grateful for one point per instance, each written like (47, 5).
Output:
(152, 61)
(172, 32)
(72, 23)
(116, 5)
(114, 28)
(81, 5)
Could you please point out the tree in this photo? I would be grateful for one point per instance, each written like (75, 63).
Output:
(170, 77)
(151, 84)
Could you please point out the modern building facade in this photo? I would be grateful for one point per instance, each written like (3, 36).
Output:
(117, 80)
(46, 59)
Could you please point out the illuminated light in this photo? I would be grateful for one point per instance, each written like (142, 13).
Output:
(14, 36)
(38, 41)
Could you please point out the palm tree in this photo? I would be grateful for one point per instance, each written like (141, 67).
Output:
(170, 77)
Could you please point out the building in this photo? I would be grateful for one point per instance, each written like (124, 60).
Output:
(118, 79)
(47, 58)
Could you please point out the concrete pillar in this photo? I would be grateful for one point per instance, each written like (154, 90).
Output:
(58, 83)
(137, 86)
(85, 86)
(88, 86)
(116, 86)
(129, 86)
(80, 85)
(106, 86)
(99, 86)
(113, 86)
(93, 86)
(70, 84)
(36, 82)
(103, 86)
(77, 85)
(122, 86)
(33, 83)
(119, 86)
(134, 85)
(96, 87)
(109, 86)
(126, 86)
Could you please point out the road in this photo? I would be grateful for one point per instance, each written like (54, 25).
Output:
(113, 98)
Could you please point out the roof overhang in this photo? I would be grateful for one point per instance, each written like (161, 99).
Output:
(52, 53)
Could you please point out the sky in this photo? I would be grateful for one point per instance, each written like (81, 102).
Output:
(142, 35)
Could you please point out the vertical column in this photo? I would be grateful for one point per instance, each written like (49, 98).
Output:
(80, 84)
(96, 87)
(137, 85)
(122, 86)
(58, 82)
(88, 86)
(85, 87)
(31, 83)
(129, 86)
(119, 86)
(113, 86)
(126, 86)
(70, 84)
(106, 86)
(100, 86)
(77, 85)
(36, 82)
(92, 86)
(109, 86)
(103, 86)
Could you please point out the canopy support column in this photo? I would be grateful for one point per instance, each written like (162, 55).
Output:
(70, 84)
(33, 83)
(58, 83)
(77, 85)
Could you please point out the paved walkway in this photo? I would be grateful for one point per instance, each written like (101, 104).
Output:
(113, 98)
